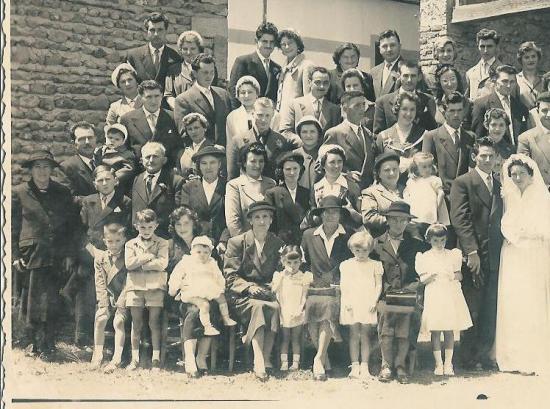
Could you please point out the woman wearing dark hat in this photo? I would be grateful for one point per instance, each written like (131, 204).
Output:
(377, 198)
(290, 200)
(310, 131)
(251, 260)
(206, 194)
(44, 226)
(325, 247)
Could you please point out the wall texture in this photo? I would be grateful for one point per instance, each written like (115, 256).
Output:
(435, 21)
(63, 53)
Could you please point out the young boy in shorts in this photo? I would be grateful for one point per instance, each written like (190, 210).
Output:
(110, 282)
(146, 258)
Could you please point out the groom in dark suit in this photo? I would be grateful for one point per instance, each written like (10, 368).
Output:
(476, 212)
(151, 61)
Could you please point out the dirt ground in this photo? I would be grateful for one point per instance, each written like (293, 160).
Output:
(30, 378)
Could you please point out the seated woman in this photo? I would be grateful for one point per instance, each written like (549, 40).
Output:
(195, 126)
(290, 200)
(335, 182)
(250, 262)
(346, 57)
(376, 199)
(405, 136)
(310, 131)
(125, 78)
(248, 188)
(354, 80)
(325, 247)
(447, 81)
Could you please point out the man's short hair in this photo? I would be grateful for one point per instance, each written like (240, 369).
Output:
(318, 68)
(80, 124)
(148, 85)
(409, 64)
(263, 102)
(347, 96)
(485, 141)
(114, 229)
(146, 216)
(487, 34)
(267, 28)
(543, 97)
(155, 17)
(103, 168)
(507, 69)
(153, 146)
(388, 34)
(454, 97)
(203, 58)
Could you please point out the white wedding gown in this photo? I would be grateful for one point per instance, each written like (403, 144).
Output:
(523, 312)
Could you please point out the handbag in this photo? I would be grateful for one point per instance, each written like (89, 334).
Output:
(402, 301)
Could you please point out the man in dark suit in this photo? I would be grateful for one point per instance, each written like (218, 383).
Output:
(156, 188)
(151, 61)
(502, 97)
(43, 237)
(385, 75)
(315, 103)
(76, 171)
(151, 122)
(450, 144)
(476, 212)
(355, 138)
(213, 102)
(259, 64)
(409, 77)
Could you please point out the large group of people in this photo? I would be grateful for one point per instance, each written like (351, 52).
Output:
(358, 205)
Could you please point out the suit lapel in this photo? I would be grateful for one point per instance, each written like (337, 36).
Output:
(448, 145)
(202, 102)
(157, 190)
(481, 189)
(353, 141)
(142, 126)
(251, 249)
(147, 61)
(260, 68)
(100, 213)
(217, 196)
(543, 144)
(140, 187)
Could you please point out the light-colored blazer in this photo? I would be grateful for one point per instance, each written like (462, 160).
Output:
(476, 82)
(119, 108)
(374, 201)
(535, 143)
(293, 81)
(238, 198)
(150, 275)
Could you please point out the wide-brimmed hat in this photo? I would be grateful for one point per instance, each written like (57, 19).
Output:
(40, 154)
(309, 119)
(259, 205)
(123, 66)
(399, 208)
(213, 150)
(386, 156)
(202, 241)
(118, 127)
(329, 202)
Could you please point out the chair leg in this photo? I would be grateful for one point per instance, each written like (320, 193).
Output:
(213, 353)
(182, 341)
(412, 362)
(231, 348)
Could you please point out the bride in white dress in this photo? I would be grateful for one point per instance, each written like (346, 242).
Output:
(523, 312)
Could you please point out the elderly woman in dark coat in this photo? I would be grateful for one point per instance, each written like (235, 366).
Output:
(325, 247)
(290, 200)
(251, 260)
(43, 237)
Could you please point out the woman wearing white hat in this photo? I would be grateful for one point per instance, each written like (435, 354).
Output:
(125, 78)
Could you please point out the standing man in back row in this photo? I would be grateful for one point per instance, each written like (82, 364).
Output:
(259, 64)
(477, 77)
(386, 74)
(151, 61)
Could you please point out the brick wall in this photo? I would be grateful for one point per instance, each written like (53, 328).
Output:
(435, 17)
(63, 53)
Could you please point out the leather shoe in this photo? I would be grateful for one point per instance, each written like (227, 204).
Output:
(402, 376)
(385, 374)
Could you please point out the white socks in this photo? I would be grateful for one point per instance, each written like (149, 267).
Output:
(448, 357)
(156, 355)
(135, 355)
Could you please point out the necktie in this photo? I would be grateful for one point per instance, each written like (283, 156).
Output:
(266, 66)
(156, 58)
(149, 184)
(152, 122)
(361, 137)
(490, 184)
(91, 164)
(103, 202)
(457, 139)
(317, 108)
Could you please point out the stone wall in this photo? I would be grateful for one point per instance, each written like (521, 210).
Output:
(63, 53)
(435, 21)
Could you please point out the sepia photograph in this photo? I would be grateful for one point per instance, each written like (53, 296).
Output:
(275, 204)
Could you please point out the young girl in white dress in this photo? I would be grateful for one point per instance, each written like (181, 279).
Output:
(360, 287)
(290, 287)
(199, 280)
(445, 308)
(424, 192)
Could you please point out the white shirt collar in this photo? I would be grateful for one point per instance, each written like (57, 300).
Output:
(106, 199)
(155, 175)
(354, 127)
(320, 232)
(313, 99)
(392, 64)
(502, 97)
(202, 89)
(251, 179)
(342, 181)
(452, 131)
(488, 63)
(147, 113)
(152, 50)
(261, 57)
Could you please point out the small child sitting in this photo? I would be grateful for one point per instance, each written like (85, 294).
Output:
(115, 154)
(198, 280)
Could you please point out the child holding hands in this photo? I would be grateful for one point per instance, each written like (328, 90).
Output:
(146, 258)
(290, 287)
(198, 280)
(360, 288)
(445, 308)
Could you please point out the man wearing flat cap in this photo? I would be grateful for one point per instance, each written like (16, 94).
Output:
(397, 331)
(44, 217)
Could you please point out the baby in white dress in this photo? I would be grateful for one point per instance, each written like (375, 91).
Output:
(290, 287)
(197, 279)
(360, 287)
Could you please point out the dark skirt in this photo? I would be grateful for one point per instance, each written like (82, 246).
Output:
(254, 314)
(321, 308)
